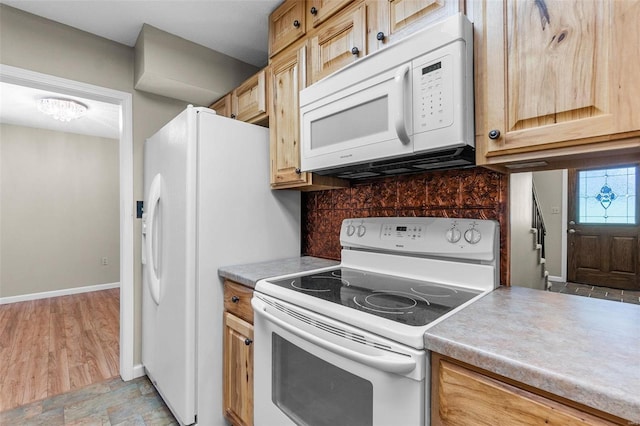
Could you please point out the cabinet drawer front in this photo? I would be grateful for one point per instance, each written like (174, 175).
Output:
(237, 300)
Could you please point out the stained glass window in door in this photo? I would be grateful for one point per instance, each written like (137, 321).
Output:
(607, 196)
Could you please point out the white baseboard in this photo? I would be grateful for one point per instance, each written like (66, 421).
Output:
(137, 371)
(556, 279)
(56, 293)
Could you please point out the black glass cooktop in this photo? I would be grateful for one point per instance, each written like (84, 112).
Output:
(411, 302)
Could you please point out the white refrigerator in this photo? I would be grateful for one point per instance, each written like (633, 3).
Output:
(207, 204)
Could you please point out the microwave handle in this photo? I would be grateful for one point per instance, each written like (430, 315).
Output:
(391, 364)
(401, 128)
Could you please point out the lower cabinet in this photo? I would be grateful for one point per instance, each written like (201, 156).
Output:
(466, 395)
(238, 355)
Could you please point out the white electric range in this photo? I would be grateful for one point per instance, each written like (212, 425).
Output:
(345, 344)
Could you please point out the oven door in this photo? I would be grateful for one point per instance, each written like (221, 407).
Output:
(311, 370)
(369, 120)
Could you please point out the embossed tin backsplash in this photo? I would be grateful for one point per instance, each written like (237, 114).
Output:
(470, 193)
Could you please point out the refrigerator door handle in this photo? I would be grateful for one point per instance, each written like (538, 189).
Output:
(153, 199)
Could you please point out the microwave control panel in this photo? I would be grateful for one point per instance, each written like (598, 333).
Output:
(435, 94)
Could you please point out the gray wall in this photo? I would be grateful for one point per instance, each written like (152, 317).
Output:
(549, 189)
(41, 45)
(59, 203)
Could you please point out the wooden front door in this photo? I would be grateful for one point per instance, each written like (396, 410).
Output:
(603, 244)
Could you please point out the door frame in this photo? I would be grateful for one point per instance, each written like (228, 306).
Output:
(23, 77)
(565, 228)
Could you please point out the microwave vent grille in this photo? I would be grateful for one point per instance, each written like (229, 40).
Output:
(461, 157)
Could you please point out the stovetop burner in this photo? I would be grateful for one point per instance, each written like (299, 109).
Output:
(412, 302)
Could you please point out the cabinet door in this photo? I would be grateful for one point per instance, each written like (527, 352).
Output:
(461, 396)
(249, 100)
(338, 43)
(223, 106)
(287, 80)
(286, 25)
(238, 370)
(321, 10)
(555, 74)
(391, 20)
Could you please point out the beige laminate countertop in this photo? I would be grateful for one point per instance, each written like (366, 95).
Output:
(586, 350)
(249, 274)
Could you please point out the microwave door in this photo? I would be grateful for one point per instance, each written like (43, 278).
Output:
(368, 121)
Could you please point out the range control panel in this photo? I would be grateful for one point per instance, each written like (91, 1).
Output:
(428, 236)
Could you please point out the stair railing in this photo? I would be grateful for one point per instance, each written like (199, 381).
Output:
(538, 221)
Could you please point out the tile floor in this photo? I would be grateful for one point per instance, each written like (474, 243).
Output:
(112, 402)
(625, 296)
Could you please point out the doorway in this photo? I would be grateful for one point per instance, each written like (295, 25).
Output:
(603, 227)
(22, 77)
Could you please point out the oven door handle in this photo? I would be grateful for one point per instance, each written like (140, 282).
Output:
(392, 364)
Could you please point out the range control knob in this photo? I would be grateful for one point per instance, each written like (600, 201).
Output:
(453, 235)
(361, 230)
(350, 230)
(472, 236)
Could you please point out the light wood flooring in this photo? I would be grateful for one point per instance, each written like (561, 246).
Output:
(52, 346)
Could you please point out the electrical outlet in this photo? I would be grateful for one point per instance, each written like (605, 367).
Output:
(105, 261)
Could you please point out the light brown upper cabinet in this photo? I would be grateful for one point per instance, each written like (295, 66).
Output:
(391, 20)
(320, 10)
(284, 123)
(338, 43)
(223, 106)
(286, 25)
(556, 81)
(288, 72)
(249, 100)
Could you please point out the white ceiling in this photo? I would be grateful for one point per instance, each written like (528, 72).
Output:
(19, 106)
(238, 28)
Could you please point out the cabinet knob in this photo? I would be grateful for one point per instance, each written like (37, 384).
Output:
(296, 23)
(233, 116)
(313, 10)
(380, 36)
(235, 299)
(298, 171)
(355, 51)
(248, 341)
(494, 134)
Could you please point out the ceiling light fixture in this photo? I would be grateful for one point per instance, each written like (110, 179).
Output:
(64, 110)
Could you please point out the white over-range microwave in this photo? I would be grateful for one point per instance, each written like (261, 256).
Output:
(403, 109)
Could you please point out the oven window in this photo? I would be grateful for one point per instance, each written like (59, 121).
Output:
(313, 392)
(359, 121)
